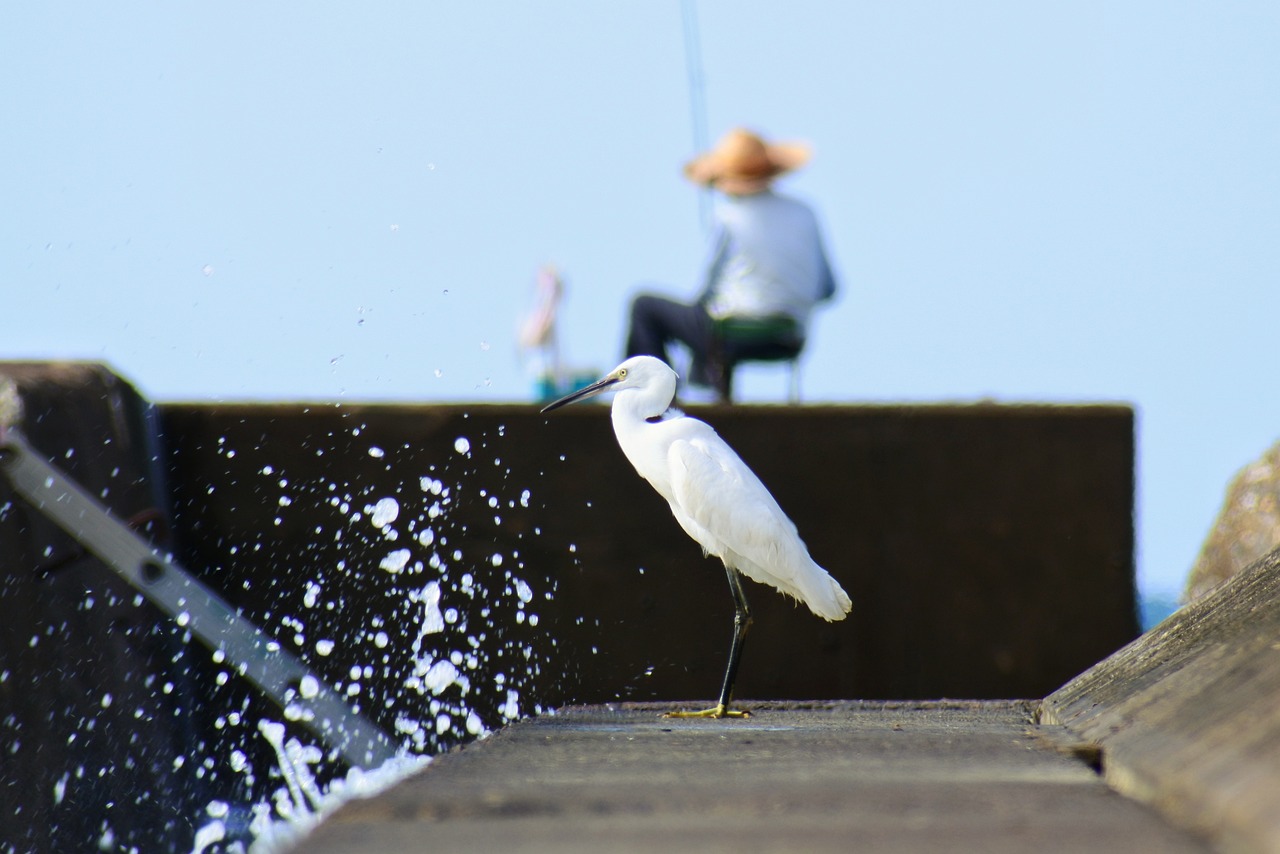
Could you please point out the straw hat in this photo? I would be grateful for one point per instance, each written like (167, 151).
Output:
(742, 163)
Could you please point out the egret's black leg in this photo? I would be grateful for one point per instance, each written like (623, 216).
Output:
(741, 623)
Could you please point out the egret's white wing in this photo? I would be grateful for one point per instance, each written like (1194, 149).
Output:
(724, 506)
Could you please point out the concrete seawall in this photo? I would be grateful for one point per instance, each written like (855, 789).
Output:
(988, 550)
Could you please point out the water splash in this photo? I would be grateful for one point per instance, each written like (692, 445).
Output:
(302, 803)
(353, 554)
(434, 662)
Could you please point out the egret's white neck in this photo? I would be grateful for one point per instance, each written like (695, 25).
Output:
(635, 405)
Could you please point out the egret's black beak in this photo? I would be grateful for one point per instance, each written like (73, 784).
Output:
(593, 389)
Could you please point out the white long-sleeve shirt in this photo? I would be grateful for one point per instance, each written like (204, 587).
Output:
(767, 257)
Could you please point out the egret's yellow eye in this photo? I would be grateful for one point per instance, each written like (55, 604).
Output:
(622, 374)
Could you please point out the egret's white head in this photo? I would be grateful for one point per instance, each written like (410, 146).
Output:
(650, 377)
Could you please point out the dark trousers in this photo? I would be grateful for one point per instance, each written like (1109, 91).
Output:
(657, 321)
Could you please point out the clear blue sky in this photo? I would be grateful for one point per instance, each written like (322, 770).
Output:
(1064, 201)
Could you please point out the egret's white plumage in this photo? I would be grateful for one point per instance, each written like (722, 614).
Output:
(717, 500)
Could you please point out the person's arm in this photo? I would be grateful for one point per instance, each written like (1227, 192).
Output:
(826, 279)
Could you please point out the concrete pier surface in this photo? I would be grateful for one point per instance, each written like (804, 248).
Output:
(838, 776)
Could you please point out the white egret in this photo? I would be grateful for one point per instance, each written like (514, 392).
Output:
(716, 499)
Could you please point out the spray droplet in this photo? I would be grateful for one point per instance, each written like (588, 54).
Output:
(395, 562)
(384, 512)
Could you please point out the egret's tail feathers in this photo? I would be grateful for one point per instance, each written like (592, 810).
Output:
(827, 598)
(797, 575)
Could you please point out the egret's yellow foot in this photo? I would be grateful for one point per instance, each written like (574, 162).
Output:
(718, 712)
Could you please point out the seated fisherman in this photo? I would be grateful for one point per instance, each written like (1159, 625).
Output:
(767, 257)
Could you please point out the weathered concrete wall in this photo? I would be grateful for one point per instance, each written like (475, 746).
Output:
(89, 737)
(1186, 716)
(988, 549)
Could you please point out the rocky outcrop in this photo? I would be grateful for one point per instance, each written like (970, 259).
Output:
(1247, 528)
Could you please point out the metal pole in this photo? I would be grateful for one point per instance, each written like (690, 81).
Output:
(252, 653)
(697, 95)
